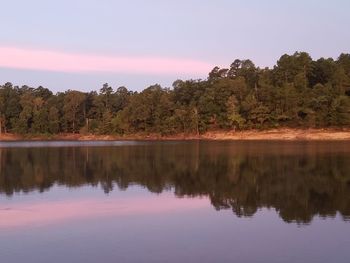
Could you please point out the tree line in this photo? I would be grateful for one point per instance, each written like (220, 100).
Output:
(297, 92)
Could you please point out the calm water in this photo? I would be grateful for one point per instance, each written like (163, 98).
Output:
(175, 202)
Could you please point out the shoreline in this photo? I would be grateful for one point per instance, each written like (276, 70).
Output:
(270, 134)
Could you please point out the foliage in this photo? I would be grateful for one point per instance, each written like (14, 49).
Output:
(297, 92)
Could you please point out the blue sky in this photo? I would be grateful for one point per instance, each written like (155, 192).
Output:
(204, 31)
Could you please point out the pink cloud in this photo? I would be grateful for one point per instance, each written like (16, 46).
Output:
(18, 58)
(19, 215)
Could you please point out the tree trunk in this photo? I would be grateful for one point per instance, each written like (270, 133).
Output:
(197, 121)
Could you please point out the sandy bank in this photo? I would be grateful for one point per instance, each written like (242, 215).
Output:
(273, 134)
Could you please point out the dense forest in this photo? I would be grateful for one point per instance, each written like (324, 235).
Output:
(297, 92)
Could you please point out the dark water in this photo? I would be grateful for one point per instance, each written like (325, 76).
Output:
(175, 202)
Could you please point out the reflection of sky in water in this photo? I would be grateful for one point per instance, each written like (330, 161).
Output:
(82, 215)
(62, 193)
(85, 225)
(31, 144)
(64, 205)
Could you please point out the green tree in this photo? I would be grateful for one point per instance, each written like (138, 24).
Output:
(53, 118)
(73, 110)
(25, 119)
(340, 111)
(235, 120)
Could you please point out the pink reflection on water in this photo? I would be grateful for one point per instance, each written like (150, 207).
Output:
(18, 215)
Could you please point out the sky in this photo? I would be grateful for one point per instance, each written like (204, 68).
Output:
(81, 44)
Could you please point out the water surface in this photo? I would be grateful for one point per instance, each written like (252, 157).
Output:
(174, 201)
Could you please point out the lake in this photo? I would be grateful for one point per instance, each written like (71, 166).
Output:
(178, 201)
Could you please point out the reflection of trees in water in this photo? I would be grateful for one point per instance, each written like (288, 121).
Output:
(298, 181)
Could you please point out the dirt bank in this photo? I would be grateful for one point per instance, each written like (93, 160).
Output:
(273, 134)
